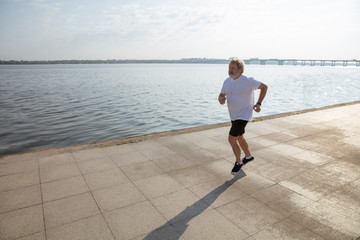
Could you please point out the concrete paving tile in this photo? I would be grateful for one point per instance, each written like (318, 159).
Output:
(354, 186)
(209, 225)
(347, 170)
(105, 179)
(167, 232)
(288, 230)
(217, 192)
(272, 193)
(308, 130)
(118, 150)
(153, 150)
(220, 167)
(179, 205)
(96, 165)
(285, 123)
(285, 149)
(19, 180)
(283, 160)
(327, 149)
(134, 220)
(221, 150)
(326, 115)
(63, 188)
(250, 238)
(354, 141)
(196, 154)
(118, 196)
(331, 176)
(312, 158)
(326, 223)
(270, 170)
(17, 158)
(141, 170)
(18, 167)
(262, 128)
(67, 210)
(158, 185)
(35, 236)
(192, 175)
(21, 222)
(311, 186)
(174, 163)
(175, 143)
(223, 137)
(306, 143)
(59, 172)
(351, 159)
(87, 229)
(308, 118)
(290, 204)
(128, 158)
(84, 155)
(248, 135)
(199, 140)
(190, 151)
(345, 200)
(250, 214)
(215, 132)
(20, 198)
(262, 142)
(253, 182)
(56, 160)
(281, 137)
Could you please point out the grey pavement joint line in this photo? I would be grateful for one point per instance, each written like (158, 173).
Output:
(42, 200)
(92, 195)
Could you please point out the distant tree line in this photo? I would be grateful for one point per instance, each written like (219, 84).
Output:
(114, 61)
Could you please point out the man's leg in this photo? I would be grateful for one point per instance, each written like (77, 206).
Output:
(244, 146)
(235, 147)
(237, 151)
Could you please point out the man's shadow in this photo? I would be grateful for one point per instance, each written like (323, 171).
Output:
(182, 219)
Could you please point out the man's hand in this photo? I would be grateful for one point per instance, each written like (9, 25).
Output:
(257, 108)
(222, 98)
(263, 89)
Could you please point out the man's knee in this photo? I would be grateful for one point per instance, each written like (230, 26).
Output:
(232, 140)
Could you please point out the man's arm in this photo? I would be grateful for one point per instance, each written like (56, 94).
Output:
(263, 89)
(222, 98)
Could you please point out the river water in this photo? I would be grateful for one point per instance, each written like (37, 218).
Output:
(45, 106)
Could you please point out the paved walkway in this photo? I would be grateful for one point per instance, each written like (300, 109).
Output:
(303, 184)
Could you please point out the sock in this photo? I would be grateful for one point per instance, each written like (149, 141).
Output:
(249, 157)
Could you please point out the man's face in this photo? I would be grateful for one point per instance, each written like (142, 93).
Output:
(234, 71)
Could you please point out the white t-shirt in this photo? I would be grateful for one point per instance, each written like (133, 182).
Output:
(240, 97)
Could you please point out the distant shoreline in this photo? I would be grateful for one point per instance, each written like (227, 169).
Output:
(119, 61)
(272, 61)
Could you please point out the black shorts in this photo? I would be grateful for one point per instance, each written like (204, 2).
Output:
(237, 128)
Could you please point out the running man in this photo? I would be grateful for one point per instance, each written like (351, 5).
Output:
(238, 90)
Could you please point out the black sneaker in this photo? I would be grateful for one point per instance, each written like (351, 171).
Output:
(236, 168)
(245, 160)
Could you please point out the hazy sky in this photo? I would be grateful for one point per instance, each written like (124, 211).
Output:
(174, 29)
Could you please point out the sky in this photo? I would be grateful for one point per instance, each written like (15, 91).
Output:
(175, 29)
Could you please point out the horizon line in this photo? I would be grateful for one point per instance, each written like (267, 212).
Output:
(184, 59)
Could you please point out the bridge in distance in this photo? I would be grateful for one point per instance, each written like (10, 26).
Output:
(303, 62)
